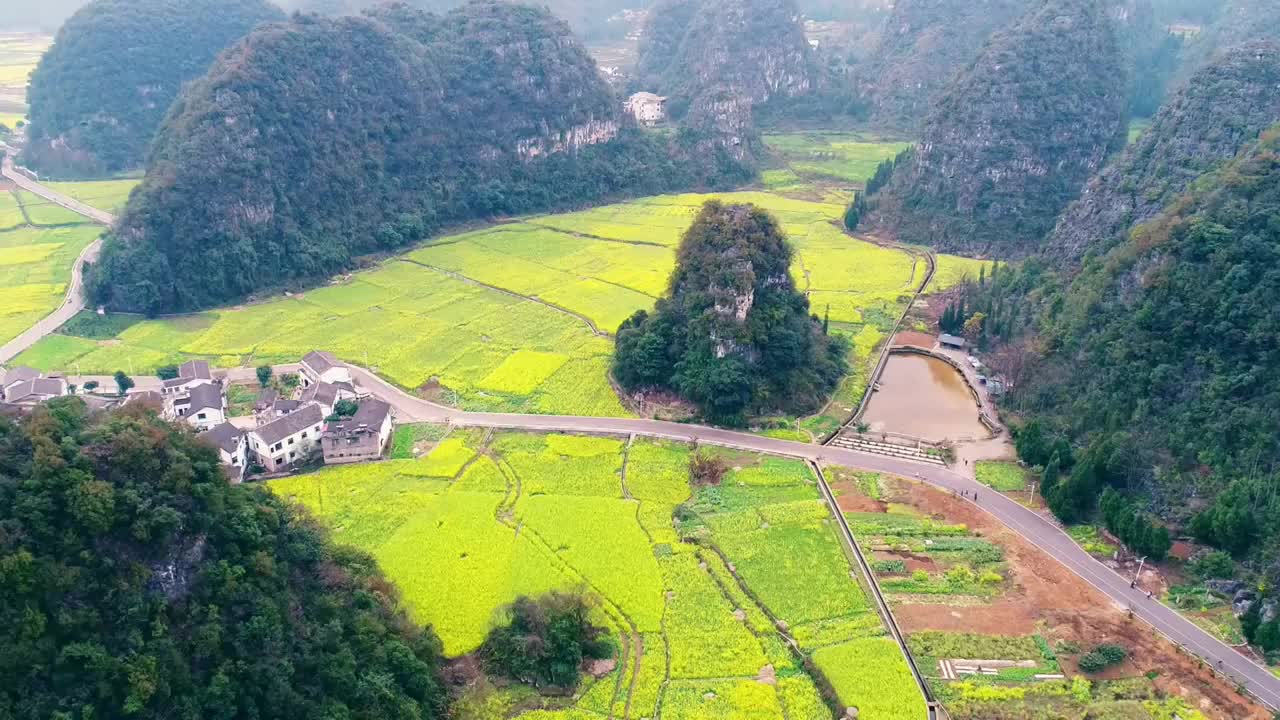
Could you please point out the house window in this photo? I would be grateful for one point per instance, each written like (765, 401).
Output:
(278, 446)
(304, 434)
(292, 454)
(200, 416)
(290, 441)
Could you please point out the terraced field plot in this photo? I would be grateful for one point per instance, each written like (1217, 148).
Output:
(480, 519)
(845, 157)
(515, 317)
(35, 267)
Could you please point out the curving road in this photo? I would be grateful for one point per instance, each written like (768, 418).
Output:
(1032, 526)
(73, 302)
(1035, 528)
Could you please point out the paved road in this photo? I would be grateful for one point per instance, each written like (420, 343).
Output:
(74, 300)
(1038, 530)
(1032, 526)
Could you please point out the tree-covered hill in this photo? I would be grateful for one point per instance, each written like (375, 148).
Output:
(1015, 136)
(733, 334)
(1162, 360)
(922, 47)
(753, 49)
(1217, 112)
(100, 92)
(135, 581)
(318, 140)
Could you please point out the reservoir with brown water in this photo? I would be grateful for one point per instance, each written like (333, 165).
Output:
(925, 398)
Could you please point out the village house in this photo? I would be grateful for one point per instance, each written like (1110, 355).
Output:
(361, 437)
(27, 387)
(190, 375)
(287, 440)
(203, 407)
(319, 366)
(648, 109)
(233, 448)
(327, 395)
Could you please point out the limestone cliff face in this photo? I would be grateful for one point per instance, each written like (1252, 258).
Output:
(1015, 136)
(923, 45)
(755, 49)
(1221, 108)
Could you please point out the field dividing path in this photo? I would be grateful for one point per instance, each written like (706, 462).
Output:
(73, 302)
(1035, 528)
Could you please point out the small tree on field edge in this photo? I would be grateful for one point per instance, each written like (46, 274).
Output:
(123, 382)
(264, 375)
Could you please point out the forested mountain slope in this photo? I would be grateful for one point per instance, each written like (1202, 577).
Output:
(1162, 358)
(136, 581)
(1234, 22)
(1015, 136)
(591, 19)
(319, 140)
(100, 92)
(752, 49)
(923, 45)
(1220, 109)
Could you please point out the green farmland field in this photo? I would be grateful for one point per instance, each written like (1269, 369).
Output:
(692, 605)
(35, 266)
(515, 317)
(846, 157)
(109, 195)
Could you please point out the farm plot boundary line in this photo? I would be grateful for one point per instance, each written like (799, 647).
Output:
(472, 281)
(886, 614)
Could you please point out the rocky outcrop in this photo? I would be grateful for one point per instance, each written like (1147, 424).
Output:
(1221, 108)
(1014, 137)
(754, 49)
(923, 45)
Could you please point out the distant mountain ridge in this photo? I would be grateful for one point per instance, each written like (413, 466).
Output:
(319, 140)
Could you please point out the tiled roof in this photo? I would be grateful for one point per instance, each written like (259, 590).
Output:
(195, 369)
(291, 424)
(225, 436)
(320, 361)
(28, 389)
(20, 374)
(206, 397)
(322, 392)
(368, 418)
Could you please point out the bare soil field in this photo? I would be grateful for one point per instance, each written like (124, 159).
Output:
(1044, 597)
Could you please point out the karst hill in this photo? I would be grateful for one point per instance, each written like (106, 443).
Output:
(318, 140)
(1015, 136)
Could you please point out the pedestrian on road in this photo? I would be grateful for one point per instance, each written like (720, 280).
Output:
(1133, 583)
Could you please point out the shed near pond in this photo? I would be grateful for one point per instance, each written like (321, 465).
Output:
(951, 341)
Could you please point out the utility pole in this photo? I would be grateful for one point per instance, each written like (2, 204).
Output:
(1138, 574)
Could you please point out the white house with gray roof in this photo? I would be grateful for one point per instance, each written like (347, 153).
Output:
(190, 375)
(320, 366)
(28, 387)
(287, 440)
(204, 407)
(232, 444)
